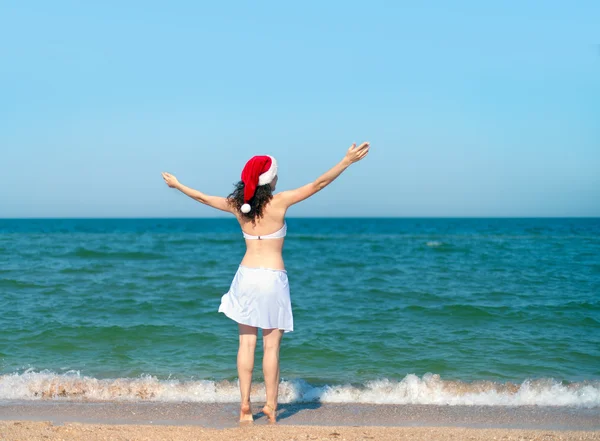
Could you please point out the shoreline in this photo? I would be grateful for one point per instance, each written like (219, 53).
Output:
(224, 415)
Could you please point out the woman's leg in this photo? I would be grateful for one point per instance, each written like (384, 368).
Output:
(245, 365)
(271, 344)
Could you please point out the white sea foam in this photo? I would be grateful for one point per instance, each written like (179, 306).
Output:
(429, 389)
(434, 243)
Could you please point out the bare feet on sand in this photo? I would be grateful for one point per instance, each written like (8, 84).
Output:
(271, 413)
(246, 413)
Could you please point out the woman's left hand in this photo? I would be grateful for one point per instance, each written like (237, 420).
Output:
(170, 180)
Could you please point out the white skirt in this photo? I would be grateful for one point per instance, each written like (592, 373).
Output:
(259, 297)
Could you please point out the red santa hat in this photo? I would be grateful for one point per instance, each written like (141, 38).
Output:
(259, 170)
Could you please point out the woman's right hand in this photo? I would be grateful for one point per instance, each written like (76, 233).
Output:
(355, 154)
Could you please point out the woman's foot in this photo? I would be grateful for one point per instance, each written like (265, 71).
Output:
(246, 413)
(271, 413)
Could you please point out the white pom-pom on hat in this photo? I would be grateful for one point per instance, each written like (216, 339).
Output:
(245, 208)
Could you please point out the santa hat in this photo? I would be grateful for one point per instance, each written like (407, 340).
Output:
(259, 170)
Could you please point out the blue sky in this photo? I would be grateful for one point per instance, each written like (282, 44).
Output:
(472, 108)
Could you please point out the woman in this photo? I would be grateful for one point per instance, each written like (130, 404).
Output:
(259, 295)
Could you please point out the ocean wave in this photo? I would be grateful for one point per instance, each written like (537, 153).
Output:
(429, 389)
(87, 253)
(13, 283)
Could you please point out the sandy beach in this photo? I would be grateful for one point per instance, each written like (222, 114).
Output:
(43, 430)
(69, 420)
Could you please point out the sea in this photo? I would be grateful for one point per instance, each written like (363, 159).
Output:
(445, 311)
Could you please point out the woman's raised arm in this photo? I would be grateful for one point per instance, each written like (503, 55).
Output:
(354, 154)
(218, 202)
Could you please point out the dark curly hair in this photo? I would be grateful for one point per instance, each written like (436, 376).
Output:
(262, 196)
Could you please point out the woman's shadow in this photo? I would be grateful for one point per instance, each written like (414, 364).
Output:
(286, 410)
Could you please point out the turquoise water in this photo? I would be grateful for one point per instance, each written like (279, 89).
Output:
(496, 311)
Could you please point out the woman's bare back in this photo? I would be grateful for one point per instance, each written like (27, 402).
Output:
(265, 253)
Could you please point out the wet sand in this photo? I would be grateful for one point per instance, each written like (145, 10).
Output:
(224, 415)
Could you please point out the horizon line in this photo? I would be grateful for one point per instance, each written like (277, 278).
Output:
(299, 217)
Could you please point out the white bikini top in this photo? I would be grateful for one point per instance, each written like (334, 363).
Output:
(276, 235)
